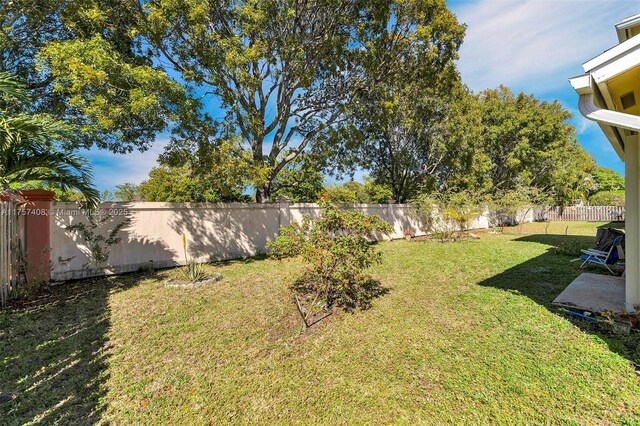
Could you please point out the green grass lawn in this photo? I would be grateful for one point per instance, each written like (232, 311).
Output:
(465, 335)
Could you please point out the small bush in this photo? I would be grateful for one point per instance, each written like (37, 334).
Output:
(446, 216)
(570, 247)
(338, 247)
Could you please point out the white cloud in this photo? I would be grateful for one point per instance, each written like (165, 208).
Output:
(582, 124)
(111, 169)
(532, 44)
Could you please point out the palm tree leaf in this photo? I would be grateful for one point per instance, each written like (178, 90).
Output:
(28, 147)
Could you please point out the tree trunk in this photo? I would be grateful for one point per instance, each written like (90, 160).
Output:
(263, 194)
(397, 194)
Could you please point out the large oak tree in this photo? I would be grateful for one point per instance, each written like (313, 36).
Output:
(287, 71)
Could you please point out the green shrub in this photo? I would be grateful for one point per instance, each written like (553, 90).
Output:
(337, 247)
(607, 198)
(446, 215)
(570, 247)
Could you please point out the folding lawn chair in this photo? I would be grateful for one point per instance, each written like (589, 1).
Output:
(602, 257)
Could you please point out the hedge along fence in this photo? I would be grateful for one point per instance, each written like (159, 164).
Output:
(152, 236)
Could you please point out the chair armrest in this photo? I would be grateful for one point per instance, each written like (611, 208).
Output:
(595, 252)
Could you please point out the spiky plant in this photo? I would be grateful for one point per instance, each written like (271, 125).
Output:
(193, 271)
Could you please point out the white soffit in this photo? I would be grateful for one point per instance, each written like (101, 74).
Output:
(625, 24)
(629, 60)
(615, 54)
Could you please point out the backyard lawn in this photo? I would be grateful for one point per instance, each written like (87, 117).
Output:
(465, 334)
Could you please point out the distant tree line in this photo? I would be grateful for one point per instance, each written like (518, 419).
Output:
(267, 98)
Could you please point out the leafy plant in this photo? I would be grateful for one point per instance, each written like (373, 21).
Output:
(337, 248)
(570, 247)
(193, 271)
(446, 215)
(98, 245)
(461, 207)
(30, 147)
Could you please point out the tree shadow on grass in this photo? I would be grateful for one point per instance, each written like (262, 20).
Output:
(350, 299)
(544, 277)
(370, 289)
(54, 352)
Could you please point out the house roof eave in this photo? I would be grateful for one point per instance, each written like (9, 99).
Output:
(612, 54)
(625, 24)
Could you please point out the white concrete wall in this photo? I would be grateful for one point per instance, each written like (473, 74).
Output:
(398, 215)
(213, 231)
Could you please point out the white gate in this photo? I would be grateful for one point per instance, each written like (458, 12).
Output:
(9, 249)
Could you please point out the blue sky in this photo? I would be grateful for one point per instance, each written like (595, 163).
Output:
(531, 46)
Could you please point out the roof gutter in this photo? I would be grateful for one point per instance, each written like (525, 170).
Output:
(590, 110)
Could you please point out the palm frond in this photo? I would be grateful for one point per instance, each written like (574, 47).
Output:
(28, 147)
(10, 88)
(67, 171)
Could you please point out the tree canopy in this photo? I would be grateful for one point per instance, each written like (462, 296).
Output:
(30, 147)
(179, 184)
(263, 94)
(530, 143)
(607, 180)
(299, 182)
(444, 138)
(397, 125)
(285, 72)
(85, 62)
(358, 193)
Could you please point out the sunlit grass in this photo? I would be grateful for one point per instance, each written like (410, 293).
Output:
(465, 335)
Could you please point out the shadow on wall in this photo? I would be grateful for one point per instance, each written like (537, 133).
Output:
(400, 216)
(222, 234)
(544, 277)
(131, 253)
(54, 353)
(214, 232)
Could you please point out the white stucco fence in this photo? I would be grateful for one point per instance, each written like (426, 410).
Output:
(213, 231)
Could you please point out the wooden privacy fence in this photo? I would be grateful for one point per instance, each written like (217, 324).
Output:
(582, 214)
(9, 249)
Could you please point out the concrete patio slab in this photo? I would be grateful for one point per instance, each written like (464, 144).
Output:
(594, 293)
